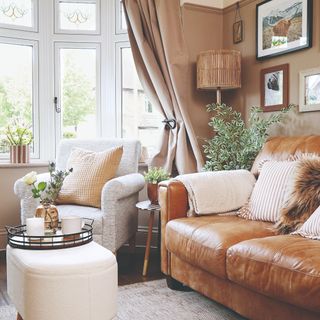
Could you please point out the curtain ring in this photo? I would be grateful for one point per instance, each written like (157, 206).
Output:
(170, 124)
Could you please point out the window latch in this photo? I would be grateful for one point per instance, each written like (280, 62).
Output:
(56, 106)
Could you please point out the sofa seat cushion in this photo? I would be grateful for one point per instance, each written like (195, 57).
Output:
(282, 267)
(204, 241)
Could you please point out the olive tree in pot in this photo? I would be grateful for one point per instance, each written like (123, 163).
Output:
(19, 137)
(153, 177)
(235, 144)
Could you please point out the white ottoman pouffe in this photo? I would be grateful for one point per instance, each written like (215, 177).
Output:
(69, 284)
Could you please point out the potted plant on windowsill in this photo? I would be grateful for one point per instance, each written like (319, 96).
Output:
(19, 137)
(153, 177)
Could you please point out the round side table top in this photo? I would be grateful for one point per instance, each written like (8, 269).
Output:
(146, 205)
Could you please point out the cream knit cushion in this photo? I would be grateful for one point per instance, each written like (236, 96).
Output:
(270, 191)
(311, 228)
(91, 170)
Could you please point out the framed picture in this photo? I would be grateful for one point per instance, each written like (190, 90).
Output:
(283, 26)
(274, 84)
(237, 32)
(309, 90)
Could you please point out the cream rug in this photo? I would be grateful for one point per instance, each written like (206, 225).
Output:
(154, 300)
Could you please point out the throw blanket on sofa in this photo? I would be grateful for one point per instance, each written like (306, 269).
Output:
(217, 192)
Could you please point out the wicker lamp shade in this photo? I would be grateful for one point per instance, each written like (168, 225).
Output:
(219, 69)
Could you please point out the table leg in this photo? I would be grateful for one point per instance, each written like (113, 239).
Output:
(19, 317)
(147, 254)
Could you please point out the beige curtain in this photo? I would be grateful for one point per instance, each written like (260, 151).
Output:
(161, 57)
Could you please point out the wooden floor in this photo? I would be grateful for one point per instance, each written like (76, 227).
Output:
(130, 270)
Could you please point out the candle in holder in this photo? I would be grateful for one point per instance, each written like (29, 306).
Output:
(35, 227)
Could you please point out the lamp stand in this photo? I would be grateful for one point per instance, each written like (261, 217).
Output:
(218, 95)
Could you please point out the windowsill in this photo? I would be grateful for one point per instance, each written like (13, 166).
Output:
(32, 164)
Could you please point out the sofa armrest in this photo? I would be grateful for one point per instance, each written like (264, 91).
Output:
(173, 200)
(121, 187)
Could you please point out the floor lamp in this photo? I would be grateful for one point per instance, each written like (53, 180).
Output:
(219, 70)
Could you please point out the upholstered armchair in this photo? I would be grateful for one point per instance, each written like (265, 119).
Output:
(116, 222)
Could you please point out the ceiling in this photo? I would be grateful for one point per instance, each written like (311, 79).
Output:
(211, 3)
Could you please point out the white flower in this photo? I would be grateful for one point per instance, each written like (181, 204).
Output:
(30, 178)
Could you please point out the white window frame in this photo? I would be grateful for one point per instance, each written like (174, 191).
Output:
(57, 81)
(35, 18)
(119, 97)
(118, 19)
(35, 90)
(57, 28)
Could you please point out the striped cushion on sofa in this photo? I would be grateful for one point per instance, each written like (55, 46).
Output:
(270, 191)
(311, 228)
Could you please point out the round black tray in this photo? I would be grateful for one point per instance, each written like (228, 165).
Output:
(18, 238)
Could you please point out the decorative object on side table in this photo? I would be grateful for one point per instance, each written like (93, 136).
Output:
(147, 206)
(47, 192)
(236, 145)
(19, 137)
(237, 26)
(153, 177)
(283, 26)
(274, 88)
(309, 99)
(219, 70)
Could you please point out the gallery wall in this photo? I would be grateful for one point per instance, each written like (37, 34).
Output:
(249, 94)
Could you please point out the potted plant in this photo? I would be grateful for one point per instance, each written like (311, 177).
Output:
(235, 144)
(19, 137)
(153, 177)
(47, 192)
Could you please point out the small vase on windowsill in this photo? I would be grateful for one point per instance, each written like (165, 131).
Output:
(20, 154)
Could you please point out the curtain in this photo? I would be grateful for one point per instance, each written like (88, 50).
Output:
(161, 57)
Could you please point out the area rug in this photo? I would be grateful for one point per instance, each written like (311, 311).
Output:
(153, 300)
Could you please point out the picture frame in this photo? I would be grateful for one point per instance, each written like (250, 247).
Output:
(309, 92)
(238, 32)
(283, 26)
(274, 88)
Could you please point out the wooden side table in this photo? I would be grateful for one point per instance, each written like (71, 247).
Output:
(146, 206)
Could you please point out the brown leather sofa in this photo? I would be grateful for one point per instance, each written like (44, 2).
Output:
(238, 263)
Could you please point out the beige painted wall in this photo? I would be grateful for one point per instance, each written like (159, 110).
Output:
(203, 31)
(9, 203)
(249, 94)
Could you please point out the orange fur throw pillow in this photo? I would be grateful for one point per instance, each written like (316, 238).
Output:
(304, 198)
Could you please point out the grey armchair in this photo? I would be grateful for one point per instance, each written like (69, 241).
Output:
(116, 222)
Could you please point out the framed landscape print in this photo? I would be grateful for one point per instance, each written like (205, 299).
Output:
(309, 90)
(283, 26)
(274, 88)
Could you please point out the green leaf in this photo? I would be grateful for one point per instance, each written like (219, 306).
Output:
(42, 186)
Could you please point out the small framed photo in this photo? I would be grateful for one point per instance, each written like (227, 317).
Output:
(309, 90)
(283, 26)
(274, 85)
(237, 32)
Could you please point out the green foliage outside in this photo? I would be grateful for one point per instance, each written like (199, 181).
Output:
(16, 101)
(78, 97)
(235, 145)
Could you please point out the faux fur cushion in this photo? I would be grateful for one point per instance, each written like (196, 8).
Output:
(304, 198)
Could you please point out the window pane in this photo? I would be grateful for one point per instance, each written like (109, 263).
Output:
(139, 118)
(17, 12)
(78, 92)
(79, 15)
(15, 86)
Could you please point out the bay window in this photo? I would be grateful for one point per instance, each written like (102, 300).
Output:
(69, 73)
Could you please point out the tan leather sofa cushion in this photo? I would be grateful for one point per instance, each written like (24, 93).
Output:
(282, 267)
(203, 241)
(91, 170)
